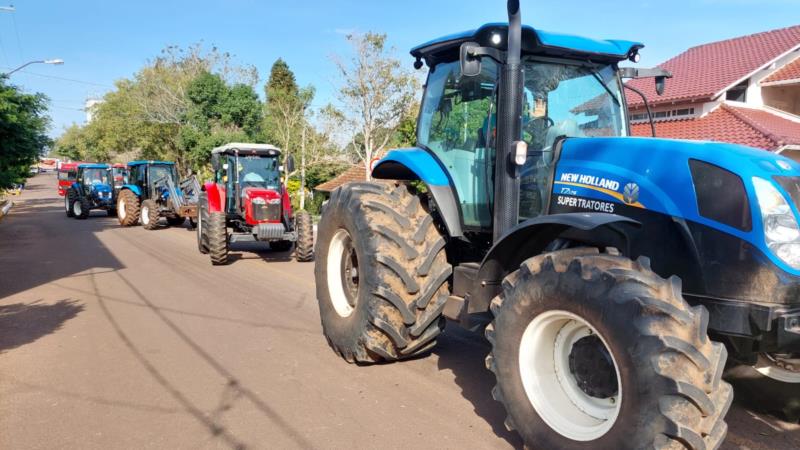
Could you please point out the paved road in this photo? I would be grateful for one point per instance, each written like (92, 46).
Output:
(126, 338)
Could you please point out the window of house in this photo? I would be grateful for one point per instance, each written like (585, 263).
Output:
(738, 93)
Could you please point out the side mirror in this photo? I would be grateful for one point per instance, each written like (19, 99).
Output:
(470, 63)
(661, 84)
(290, 164)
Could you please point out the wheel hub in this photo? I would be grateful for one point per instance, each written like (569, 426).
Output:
(591, 365)
(343, 273)
(780, 367)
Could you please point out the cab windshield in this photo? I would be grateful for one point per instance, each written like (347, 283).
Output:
(157, 172)
(95, 176)
(258, 171)
(563, 100)
(66, 175)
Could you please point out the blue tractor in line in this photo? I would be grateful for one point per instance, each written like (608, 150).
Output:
(152, 191)
(613, 276)
(92, 189)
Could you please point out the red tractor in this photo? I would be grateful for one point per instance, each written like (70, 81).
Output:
(66, 176)
(247, 202)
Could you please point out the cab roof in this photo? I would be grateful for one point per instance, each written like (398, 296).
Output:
(93, 166)
(139, 163)
(534, 42)
(252, 149)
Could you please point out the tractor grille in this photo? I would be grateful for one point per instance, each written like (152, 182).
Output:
(267, 212)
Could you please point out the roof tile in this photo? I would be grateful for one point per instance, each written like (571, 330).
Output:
(788, 72)
(703, 71)
(354, 174)
(744, 126)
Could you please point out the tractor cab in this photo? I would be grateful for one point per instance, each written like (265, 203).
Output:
(150, 176)
(119, 175)
(92, 189)
(251, 177)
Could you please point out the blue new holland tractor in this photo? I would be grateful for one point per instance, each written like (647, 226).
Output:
(617, 275)
(92, 189)
(152, 191)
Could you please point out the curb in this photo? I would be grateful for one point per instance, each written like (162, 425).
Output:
(5, 208)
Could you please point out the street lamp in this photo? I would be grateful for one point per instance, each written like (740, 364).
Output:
(56, 61)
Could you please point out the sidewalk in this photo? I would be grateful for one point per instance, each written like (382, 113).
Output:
(5, 207)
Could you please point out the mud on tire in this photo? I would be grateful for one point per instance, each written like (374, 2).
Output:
(304, 250)
(399, 287)
(670, 391)
(149, 215)
(217, 234)
(128, 208)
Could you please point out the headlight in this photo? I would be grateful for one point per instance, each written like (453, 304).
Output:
(781, 230)
(259, 201)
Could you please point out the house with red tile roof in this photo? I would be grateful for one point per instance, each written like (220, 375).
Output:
(744, 90)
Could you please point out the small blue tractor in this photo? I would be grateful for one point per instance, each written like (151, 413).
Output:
(612, 275)
(152, 191)
(92, 189)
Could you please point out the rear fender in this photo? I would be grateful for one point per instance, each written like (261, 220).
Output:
(133, 188)
(216, 197)
(417, 164)
(532, 237)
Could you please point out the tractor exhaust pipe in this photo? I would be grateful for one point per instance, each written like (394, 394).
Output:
(509, 124)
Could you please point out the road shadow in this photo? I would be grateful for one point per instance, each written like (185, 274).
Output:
(464, 353)
(257, 250)
(39, 244)
(24, 323)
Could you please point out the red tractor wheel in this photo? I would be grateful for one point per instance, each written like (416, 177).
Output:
(217, 234)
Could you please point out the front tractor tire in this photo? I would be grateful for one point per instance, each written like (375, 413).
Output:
(304, 250)
(81, 207)
(128, 208)
(202, 219)
(217, 235)
(381, 273)
(594, 351)
(69, 199)
(149, 215)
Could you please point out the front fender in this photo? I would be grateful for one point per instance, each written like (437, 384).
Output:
(531, 238)
(216, 197)
(417, 164)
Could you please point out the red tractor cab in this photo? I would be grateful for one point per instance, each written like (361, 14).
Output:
(66, 176)
(119, 173)
(247, 201)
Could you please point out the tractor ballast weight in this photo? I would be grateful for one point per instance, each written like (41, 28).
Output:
(152, 191)
(631, 266)
(92, 189)
(249, 198)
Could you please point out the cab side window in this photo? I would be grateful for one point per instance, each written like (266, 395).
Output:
(458, 125)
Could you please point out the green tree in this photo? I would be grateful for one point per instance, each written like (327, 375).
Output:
(375, 94)
(23, 124)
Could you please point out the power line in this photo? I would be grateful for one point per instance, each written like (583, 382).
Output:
(19, 42)
(65, 79)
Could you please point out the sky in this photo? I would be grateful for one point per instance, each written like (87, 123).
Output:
(103, 41)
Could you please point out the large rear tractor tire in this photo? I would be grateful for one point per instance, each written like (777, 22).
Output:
(69, 198)
(202, 220)
(304, 250)
(81, 208)
(128, 208)
(217, 233)
(771, 386)
(149, 215)
(596, 351)
(381, 273)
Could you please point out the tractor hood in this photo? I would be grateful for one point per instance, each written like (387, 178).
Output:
(261, 205)
(704, 182)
